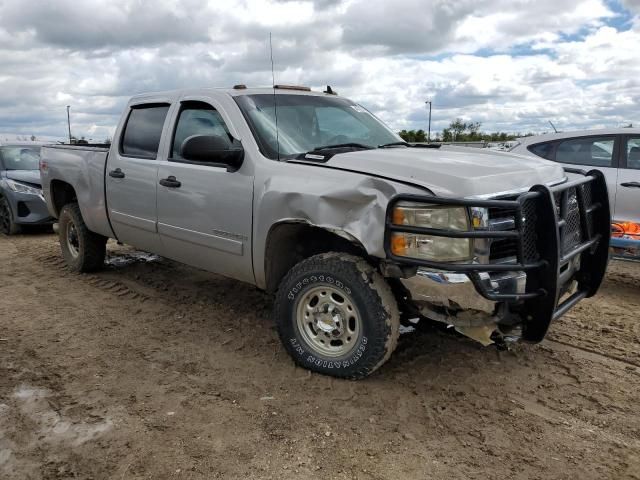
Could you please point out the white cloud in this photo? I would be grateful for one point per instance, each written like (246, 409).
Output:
(509, 64)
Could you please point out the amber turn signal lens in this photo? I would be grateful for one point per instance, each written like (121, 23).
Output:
(398, 245)
(398, 216)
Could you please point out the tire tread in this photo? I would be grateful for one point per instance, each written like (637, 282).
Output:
(92, 254)
(346, 265)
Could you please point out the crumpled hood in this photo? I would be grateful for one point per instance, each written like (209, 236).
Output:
(28, 176)
(453, 171)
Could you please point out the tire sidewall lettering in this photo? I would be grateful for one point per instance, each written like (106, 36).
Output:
(311, 279)
(310, 358)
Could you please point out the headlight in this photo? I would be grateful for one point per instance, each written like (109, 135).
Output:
(22, 188)
(431, 247)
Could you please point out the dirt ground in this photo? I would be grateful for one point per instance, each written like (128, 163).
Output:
(155, 370)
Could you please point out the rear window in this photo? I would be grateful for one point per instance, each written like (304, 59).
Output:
(593, 151)
(143, 131)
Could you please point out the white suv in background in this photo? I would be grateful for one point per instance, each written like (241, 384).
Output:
(615, 152)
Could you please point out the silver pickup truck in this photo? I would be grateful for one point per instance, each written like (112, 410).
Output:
(309, 196)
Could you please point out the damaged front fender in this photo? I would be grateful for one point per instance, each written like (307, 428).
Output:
(350, 205)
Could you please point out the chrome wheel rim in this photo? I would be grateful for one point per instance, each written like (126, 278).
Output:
(328, 321)
(73, 243)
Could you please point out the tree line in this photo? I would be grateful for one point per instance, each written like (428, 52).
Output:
(459, 131)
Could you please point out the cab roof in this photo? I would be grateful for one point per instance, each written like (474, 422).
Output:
(234, 91)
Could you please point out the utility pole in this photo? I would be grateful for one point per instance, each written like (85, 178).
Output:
(429, 130)
(69, 123)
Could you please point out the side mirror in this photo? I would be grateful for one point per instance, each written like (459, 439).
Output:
(213, 149)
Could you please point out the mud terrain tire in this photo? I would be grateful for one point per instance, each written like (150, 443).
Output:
(336, 315)
(83, 250)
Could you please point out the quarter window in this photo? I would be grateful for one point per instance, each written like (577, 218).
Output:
(143, 131)
(633, 153)
(593, 151)
(544, 150)
(197, 118)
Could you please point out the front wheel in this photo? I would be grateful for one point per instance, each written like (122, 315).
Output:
(83, 250)
(8, 226)
(336, 315)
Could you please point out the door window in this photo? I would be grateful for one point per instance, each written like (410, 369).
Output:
(143, 130)
(197, 118)
(633, 153)
(594, 151)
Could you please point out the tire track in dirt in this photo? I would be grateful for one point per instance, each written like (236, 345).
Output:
(117, 287)
(594, 354)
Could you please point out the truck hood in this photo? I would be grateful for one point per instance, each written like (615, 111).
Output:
(453, 171)
(27, 176)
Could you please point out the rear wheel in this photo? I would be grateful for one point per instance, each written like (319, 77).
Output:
(7, 224)
(83, 250)
(336, 315)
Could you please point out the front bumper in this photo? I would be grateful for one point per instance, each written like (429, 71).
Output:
(456, 291)
(560, 236)
(29, 209)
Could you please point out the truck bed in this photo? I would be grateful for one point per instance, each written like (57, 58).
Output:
(82, 167)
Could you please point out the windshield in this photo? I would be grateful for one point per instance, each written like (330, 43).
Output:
(307, 122)
(20, 158)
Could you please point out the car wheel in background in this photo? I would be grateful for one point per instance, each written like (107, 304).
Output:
(336, 315)
(83, 250)
(7, 224)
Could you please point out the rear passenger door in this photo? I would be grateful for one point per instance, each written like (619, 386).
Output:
(628, 198)
(132, 177)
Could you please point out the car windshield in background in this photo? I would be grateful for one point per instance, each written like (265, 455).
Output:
(307, 122)
(20, 158)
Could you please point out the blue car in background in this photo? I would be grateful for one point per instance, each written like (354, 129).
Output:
(21, 200)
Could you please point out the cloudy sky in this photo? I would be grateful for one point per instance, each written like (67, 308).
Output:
(510, 64)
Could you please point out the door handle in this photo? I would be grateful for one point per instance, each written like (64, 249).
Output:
(170, 182)
(117, 173)
(631, 184)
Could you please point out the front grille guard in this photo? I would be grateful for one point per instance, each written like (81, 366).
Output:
(551, 267)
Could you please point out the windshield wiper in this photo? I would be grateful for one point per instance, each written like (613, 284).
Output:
(393, 144)
(341, 145)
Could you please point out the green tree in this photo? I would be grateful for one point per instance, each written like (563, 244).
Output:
(413, 136)
(458, 131)
(461, 131)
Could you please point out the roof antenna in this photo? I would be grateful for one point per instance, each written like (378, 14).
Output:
(553, 126)
(275, 104)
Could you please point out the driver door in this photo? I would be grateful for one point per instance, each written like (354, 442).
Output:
(205, 211)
